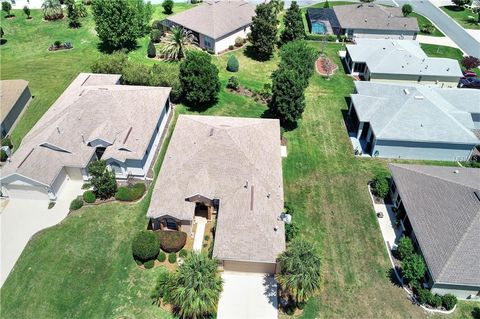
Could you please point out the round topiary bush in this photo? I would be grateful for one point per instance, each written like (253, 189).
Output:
(380, 185)
(183, 253)
(233, 83)
(149, 264)
(231, 47)
(435, 301)
(145, 245)
(161, 257)
(238, 42)
(89, 197)
(232, 64)
(449, 301)
(77, 203)
(172, 241)
(172, 258)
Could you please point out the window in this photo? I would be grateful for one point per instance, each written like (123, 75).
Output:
(208, 42)
(171, 224)
(116, 168)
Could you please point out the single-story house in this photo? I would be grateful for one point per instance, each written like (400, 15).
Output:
(230, 168)
(14, 97)
(365, 21)
(216, 24)
(439, 209)
(94, 118)
(400, 61)
(414, 121)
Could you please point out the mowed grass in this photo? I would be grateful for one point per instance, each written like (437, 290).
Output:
(82, 268)
(422, 20)
(464, 16)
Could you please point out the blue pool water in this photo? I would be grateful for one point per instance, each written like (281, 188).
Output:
(318, 27)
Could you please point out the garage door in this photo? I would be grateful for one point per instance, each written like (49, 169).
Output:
(27, 192)
(74, 173)
(242, 266)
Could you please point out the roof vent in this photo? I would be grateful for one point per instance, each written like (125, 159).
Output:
(455, 171)
(477, 194)
(366, 20)
(406, 91)
(418, 97)
(211, 132)
(275, 228)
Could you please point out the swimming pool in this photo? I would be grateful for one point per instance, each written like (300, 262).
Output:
(319, 27)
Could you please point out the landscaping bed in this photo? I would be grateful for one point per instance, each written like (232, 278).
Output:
(325, 66)
(171, 241)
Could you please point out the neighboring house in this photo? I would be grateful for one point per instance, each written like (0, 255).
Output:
(95, 117)
(216, 24)
(231, 168)
(400, 61)
(440, 210)
(366, 21)
(414, 122)
(14, 97)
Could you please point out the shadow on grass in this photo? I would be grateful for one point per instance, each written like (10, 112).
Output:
(201, 107)
(3, 41)
(250, 53)
(455, 8)
(476, 313)
(107, 48)
(393, 277)
(286, 125)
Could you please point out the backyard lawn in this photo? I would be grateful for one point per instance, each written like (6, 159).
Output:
(82, 268)
(464, 16)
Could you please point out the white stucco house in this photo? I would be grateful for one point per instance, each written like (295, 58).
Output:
(94, 118)
(216, 24)
(402, 61)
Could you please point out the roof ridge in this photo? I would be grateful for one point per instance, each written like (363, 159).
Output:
(459, 242)
(394, 116)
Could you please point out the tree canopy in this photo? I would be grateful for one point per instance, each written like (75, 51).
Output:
(103, 181)
(119, 23)
(407, 9)
(263, 31)
(199, 79)
(294, 29)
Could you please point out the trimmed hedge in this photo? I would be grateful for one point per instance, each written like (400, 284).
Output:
(89, 197)
(172, 241)
(380, 185)
(161, 257)
(149, 264)
(145, 245)
(172, 258)
(322, 37)
(130, 193)
(449, 301)
(77, 203)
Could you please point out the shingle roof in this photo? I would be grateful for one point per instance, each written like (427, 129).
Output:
(372, 16)
(216, 157)
(417, 113)
(445, 214)
(93, 106)
(10, 91)
(401, 57)
(216, 18)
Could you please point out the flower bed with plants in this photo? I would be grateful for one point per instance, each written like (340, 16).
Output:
(325, 66)
(58, 46)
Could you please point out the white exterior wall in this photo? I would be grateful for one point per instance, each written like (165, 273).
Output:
(382, 34)
(223, 43)
(391, 78)
(461, 292)
(18, 186)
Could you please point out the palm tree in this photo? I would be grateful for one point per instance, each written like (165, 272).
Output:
(176, 43)
(300, 274)
(195, 287)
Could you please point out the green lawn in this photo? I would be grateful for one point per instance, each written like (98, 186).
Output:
(440, 51)
(82, 268)
(422, 20)
(465, 17)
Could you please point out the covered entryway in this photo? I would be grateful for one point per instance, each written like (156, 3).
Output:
(243, 266)
(74, 173)
(248, 295)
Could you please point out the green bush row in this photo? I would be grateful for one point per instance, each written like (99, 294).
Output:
(322, 37)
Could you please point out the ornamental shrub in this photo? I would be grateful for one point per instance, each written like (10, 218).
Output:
(413, 268)
(407, 9)
(151, 50)
(6, 141)
(233, 83)
(238, 42)
(7, 7)
(183, 253)
(161, 257)
(3, 156)
(172, 241)
(155, 35)
(130, 193)
(145, 245)
(172, 258)
(291, 231)
(136, 74)
(231, 47)
(405, 248)
(167, 75)
(110, 63)
(232, 64)
(471, 62)
(77, 203)
(160, 291)
(435, 301)
(449, 301)
(149, 264)
(167, 6)
(380, 185)
(89, 197)
(424, 295)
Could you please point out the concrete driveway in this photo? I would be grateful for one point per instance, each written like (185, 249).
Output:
(248, 295)
(20, 219)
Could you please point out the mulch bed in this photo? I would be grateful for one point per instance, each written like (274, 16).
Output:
(249, 93)
(59, 48)
(320, 66)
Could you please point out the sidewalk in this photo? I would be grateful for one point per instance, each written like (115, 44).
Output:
(446, 41)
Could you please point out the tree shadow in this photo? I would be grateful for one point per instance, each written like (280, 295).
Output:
(252, 54)
(393, 277)
(476, 313)
(455, 8)
(271, 290)
(106, 48)
(3, 41)
(199, 107)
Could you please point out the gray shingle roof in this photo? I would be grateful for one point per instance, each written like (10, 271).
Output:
(93, 106)
(401, 57)
(445, 215)
(417, 113)
(10, 91)
(374, 17)
(216, 18)
(215, 157)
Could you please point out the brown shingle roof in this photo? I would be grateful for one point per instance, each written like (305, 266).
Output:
(216, 18)
(216, 157)
(445, 215)
(10, 91)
